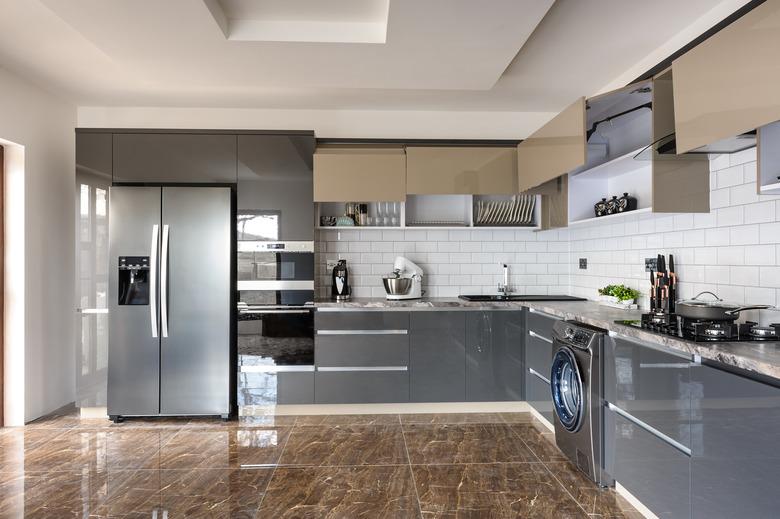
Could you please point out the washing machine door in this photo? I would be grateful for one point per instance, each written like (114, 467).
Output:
(566, 386)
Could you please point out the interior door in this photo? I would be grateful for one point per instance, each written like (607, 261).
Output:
(195, 301)
(134, 344)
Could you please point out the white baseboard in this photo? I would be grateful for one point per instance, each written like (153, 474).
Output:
(541, 418)
(93, 412)
(636, 503)
(335, 409)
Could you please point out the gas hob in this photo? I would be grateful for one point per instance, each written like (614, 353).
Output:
(705, 331)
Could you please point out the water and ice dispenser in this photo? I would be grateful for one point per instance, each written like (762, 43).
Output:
(134, 280)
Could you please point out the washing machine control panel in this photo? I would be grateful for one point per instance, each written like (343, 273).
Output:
(578, 336)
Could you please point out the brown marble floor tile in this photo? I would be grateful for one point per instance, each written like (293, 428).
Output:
(340, 492)
(541, 444)
(468, 443)
(222, 448)
(347, 419)
(137, 495)
(345, 445)
(499, 490)
(604, 502)
(451, 418)
(73, 450)
(517, 417)
(17, 442)
(265, 421)
(229, 493)
(133, 448)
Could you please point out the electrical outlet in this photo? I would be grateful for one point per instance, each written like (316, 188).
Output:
(583, 263)
(651, 264)
(331, 264)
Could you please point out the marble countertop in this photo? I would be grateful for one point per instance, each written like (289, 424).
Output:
(757, 357)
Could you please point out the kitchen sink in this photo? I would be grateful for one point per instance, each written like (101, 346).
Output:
(518, 297)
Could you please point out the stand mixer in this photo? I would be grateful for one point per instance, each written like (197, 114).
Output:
(405, 282)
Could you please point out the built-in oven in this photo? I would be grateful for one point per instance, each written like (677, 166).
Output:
(276, 273)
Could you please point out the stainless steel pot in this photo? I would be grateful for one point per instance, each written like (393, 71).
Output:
(713, 309)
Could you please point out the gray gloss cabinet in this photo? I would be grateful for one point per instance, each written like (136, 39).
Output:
(361, 357)
(437, 356)
(538, 358)
(735, 429)
(495, 361)
(175, 157)
(654, 472)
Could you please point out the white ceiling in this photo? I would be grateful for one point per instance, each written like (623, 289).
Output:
(454, 55)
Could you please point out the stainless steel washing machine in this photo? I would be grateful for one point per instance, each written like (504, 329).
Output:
(576, 384)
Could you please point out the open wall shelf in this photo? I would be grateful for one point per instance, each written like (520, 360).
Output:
(449, 212)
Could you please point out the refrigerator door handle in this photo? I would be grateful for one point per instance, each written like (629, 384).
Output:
(164, 282)
(153, 279)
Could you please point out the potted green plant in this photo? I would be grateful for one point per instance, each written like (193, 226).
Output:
(618, 295)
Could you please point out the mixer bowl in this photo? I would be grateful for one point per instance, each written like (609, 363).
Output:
(397, 286)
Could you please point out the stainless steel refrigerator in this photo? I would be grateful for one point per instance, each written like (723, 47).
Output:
(169, 301)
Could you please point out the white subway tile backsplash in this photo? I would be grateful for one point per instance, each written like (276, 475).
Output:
(745, 276)
(769, 277)
(731, 216)
(731, 176)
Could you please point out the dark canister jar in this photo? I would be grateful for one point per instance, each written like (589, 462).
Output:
(600, 208)
(626, 203)
(612, 205)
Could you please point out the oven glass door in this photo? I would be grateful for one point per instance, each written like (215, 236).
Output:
(275, 336)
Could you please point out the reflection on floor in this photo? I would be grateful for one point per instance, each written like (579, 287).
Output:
(372, 466)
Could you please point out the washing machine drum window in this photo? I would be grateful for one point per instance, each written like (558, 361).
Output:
(566, 387)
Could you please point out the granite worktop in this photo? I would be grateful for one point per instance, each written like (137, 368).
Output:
(762, 358)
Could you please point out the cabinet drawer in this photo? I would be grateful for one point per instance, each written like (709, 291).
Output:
(654, 472)
(538, 354)
(361, 387)
(538, 395)
(541, 324)
(355, 322)
(651, 385)
(362, 350)
(258, 388)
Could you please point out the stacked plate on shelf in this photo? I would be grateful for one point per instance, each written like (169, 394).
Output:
(518, 211)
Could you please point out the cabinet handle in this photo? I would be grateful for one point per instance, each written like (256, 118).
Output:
(534, 334)
(153, 279)
(649, 428)
(362, 332)
(362, 368)
(532, 371)
(277, 369)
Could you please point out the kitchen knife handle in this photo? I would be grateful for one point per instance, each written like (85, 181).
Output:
(164, 282)
(153, 279)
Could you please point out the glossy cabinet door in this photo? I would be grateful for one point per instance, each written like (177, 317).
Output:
(651, 385)
(437, 356)
(269, 389)
(175, 157)
(538, 360)
(495, 361)
(465, 170)
(727, 85)
(275, 178)
(658, 475)
(735, 430)
(556, 148)
(681, 183)
(768, 177)
(359, 175)
(555, 202)
(94, 154)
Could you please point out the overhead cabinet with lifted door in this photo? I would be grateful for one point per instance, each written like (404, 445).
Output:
(359, 174)
(461, 170)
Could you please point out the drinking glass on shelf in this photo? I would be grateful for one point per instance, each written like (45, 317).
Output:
(380, 214)
(387, 214)
(394, 213)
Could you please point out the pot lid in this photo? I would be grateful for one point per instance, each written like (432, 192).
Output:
(711, 303)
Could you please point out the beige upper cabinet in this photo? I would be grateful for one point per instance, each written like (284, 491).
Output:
(467, 170)
(556, 148)
(728, 84)
(359, 174)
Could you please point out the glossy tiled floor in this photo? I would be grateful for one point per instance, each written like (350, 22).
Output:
(361, 466)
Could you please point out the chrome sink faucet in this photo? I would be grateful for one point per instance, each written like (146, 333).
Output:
(504, 288)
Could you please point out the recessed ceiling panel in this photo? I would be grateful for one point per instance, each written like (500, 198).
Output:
(327, 21)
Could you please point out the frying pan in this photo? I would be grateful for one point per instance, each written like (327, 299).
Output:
(713, 309)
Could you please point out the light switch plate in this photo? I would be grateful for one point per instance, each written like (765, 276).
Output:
(651, 264)
(331, 264)
(583, 263)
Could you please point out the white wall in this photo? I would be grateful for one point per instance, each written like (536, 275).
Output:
(325, 123)
(733, 251)
(44, 126)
